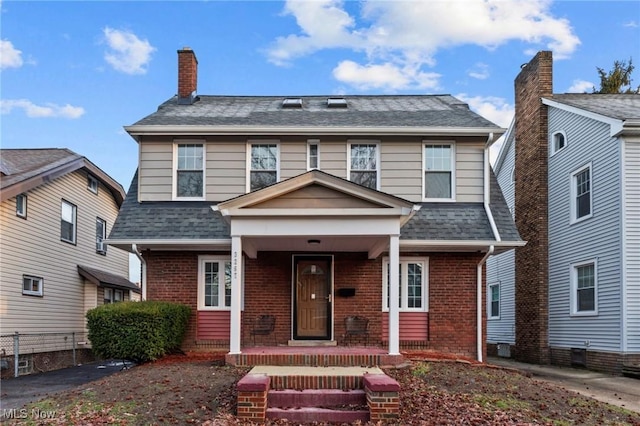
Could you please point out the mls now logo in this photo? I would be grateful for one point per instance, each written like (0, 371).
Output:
(14, 413)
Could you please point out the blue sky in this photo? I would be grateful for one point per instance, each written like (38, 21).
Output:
(73, 73)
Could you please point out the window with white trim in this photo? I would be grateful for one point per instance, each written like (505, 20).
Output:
(112, 295)
(581, 194)
(21, 205)
(101, 234)
(439, 171)
(493, 301)
(214, 283)
(189, 172)
(264, 164)
(313, 154)
(68, 215)
(413, 279)
(92, 184)
(364, 164)
(584, 288)
(558, 141)
(32, 286)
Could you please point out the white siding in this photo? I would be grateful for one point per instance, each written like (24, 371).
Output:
(595, 238)
(226, 170)
(333, 157)
(469, 172)
(632, 241)
(501, 268)
(33, 247)
(293, 158)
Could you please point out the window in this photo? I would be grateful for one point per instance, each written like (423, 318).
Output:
(584, 288)
(313, 155)
(190, 171)
(32, 286)
(21, 205)
(214, 283)
(92, 184)
(494, 301)
(363, 164)
(113, 296)
(559, 141)
(413, 284)
(264, 165)
(101, 234)
(581, 194)
(439, 171)
(68, 222)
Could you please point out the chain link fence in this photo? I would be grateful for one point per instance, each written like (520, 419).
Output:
(39, 352)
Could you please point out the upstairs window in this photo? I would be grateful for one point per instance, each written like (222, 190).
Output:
(21, 206)
(264, 165)
(313, 155)
(190, 171)
(558, 141)
(581, 194)
(363, 164)
(584, 288)
(439, 171)
(101, 234)
(92, 184)
(32, 286)
(68, 214)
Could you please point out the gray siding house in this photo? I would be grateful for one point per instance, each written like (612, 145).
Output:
(590, 174)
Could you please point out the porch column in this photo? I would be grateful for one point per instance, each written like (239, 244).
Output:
(236, 293)
(394, 294)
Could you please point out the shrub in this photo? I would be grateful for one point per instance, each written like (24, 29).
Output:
(138, 331)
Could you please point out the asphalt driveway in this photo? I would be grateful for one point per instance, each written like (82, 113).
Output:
(16, 392)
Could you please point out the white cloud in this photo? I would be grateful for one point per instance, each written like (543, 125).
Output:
(384, 76)
(48, 110)
(479, 71)
(10, 57)
(397, 35)
(492, 108)
(127, 53)
(630, 24)
(581, 86)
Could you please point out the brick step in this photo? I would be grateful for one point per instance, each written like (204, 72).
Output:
(325, 398)
(314, 414)
(315, 359)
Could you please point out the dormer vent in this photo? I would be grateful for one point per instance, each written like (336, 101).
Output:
(292, 103)
(336, 103)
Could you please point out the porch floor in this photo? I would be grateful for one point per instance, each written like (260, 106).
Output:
(314, 356)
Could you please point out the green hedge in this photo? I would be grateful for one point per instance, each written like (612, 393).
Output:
(137, 331)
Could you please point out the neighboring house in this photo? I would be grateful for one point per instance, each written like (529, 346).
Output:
(57, 208)
(571, 168)
(314, 208)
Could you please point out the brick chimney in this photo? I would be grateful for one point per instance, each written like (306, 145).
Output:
(187, 76)
(531, 204)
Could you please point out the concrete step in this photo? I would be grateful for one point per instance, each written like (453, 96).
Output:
(314, 414)
(297, 377)
(325, 398)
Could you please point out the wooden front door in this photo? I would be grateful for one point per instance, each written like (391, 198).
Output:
(312, 298)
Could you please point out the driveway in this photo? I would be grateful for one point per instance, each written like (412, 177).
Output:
(16, 392)
(616, 390)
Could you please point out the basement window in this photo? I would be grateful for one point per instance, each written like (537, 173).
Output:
(292, 103)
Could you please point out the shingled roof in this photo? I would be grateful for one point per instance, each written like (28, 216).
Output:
(620, 106)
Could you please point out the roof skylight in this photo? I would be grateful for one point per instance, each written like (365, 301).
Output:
(292, 103)
(336, 103)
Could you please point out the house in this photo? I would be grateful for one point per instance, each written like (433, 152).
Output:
(570, 169)
(315, 208)
(56, 211)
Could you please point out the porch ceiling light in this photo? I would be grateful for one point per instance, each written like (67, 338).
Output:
(313, 242)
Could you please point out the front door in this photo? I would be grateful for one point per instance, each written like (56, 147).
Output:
(312, 295)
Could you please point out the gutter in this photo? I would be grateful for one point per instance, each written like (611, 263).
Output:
(479, 337)
(143, 278)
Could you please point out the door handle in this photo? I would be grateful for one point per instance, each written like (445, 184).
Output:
(329, 298)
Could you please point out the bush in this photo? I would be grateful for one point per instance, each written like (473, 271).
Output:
(138, 331)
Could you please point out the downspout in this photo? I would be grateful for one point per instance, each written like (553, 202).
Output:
(479, 338)
(143, 278)
(479, 288)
